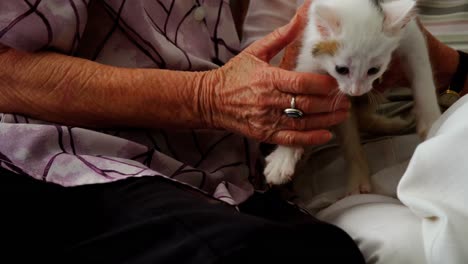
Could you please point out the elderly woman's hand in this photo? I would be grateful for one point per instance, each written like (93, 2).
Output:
(248, 96)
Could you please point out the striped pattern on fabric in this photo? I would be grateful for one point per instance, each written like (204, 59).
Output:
(447, 20)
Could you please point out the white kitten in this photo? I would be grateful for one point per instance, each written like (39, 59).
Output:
(353, 41)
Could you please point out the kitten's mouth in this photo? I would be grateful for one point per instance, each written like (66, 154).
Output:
(357, 93)
(350, 92)
(356, 90)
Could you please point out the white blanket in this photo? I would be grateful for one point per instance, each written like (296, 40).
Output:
(435, 187)
(420, 211)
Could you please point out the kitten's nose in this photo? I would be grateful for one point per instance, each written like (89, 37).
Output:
(357, 90)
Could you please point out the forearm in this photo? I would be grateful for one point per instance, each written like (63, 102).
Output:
(74, 91)
(444, 62)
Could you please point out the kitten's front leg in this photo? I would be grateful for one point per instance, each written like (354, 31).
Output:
(415, 55)
(281, 164)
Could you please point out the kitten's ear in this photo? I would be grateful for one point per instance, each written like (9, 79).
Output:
(397, 15)
(327, 20)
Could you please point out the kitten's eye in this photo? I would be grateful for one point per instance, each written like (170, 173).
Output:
(373, 70)
(342, 70)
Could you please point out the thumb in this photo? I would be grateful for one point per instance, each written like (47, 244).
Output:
(267, 47)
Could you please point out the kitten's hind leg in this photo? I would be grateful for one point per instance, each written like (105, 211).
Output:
(358, 167)
(281, 164)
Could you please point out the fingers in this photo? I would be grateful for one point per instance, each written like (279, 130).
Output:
(312, 122)
(267, 47)
(310, 104)
(299, 138)
(304, 8)
(302, 83)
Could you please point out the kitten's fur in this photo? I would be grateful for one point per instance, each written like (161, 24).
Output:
(366, 32)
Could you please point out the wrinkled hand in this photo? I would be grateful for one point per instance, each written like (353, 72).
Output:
(248, 96)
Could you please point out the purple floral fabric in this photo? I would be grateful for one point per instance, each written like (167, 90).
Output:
(170, 34)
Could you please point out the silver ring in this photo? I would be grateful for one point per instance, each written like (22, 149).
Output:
(293, 112)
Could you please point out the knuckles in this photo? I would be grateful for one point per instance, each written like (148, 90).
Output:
(288, 139)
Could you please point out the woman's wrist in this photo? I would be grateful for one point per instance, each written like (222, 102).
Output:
(209, 83)
(459, 82)
(162, 98)
(465, 88)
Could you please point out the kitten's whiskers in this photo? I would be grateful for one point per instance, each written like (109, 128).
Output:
(337, 99)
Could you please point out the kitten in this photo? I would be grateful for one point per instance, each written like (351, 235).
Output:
(353, 41)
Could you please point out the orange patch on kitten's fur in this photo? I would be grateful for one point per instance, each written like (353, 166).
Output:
(328, 47)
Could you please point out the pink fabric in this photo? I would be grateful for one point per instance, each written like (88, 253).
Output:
(138, 33)
(264, 16)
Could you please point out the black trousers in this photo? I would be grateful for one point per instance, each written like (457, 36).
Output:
(154, 220)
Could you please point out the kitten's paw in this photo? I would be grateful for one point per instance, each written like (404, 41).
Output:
(362, 188)
(359, 180)
(425, 122)
(281, 165)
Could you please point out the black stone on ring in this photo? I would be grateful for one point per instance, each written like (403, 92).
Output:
(293, 112)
